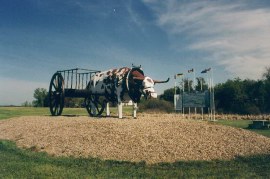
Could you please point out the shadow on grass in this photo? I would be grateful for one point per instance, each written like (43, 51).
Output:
(19, 163)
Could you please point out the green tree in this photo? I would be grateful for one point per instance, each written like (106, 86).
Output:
(41, 97)
(241, 96)
(188, 84)
(231, 96)
(74, 102)
(201, 84)
(168, 94)
(26, 104)
(266, 82)
(266, 74)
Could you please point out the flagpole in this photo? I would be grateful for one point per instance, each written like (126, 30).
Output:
(209, 88)
(194, 90)
(213, 91)
(175, 93)
(183, 108)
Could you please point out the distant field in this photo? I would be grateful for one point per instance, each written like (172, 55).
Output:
(9, 112)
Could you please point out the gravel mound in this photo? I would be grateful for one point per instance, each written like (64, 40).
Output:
(152, 138)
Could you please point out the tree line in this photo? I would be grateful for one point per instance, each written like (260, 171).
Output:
(41, 99)
(244, 96)
(233, 96)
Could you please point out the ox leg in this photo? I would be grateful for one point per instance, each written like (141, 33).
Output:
(120, 110)
(135, 107)
(119, 100)
(108, 109)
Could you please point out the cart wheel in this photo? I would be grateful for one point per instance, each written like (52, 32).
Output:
(56, 94)
(94, 105)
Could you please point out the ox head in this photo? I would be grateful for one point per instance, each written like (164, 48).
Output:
(147, 88)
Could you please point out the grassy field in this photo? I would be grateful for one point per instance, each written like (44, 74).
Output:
(19, 163)
(9, 112)
(244, 125)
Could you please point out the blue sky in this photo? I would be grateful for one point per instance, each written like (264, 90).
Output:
(39, 37)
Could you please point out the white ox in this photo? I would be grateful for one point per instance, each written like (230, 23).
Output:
(121, 85)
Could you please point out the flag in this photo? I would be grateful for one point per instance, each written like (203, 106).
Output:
(191, 70)
(179, 74)
(206, 70)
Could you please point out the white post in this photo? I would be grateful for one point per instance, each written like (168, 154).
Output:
(209, 88)
(135, 107)
(120, 110)
(195, 112)
(194, 89)
(174, 94)
(201, 79)
(188, 112)
(108, 109)
(202, 113)
(213, 91)
(183, 90)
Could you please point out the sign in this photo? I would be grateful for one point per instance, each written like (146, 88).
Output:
(197, 99)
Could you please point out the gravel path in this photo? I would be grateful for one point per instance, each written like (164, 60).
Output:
(152, 138)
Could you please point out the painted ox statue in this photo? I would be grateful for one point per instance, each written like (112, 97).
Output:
(123, 84)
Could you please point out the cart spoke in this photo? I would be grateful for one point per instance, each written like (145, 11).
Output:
(56, 83)
(54, 86)
(94, 105)
(97, 106)
(55, 110)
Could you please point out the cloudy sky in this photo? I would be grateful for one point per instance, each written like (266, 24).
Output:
(39, 37)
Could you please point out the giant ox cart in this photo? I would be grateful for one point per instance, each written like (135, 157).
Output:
(99, 88)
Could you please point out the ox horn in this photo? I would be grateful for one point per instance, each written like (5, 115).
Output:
(138, 78)
(156, 81)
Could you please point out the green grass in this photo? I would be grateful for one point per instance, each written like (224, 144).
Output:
(9, 112)
(244, 125)
(18, 163)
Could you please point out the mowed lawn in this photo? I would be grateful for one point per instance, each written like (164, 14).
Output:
(19, 163)
(9, 112)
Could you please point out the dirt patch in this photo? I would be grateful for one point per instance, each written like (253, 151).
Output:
(152, 138)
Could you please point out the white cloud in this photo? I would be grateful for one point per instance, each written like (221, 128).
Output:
(15, 92)
(234, 35)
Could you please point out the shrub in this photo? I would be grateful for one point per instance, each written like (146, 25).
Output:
(156, 105)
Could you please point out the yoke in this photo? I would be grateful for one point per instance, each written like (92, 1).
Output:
(133, 90)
